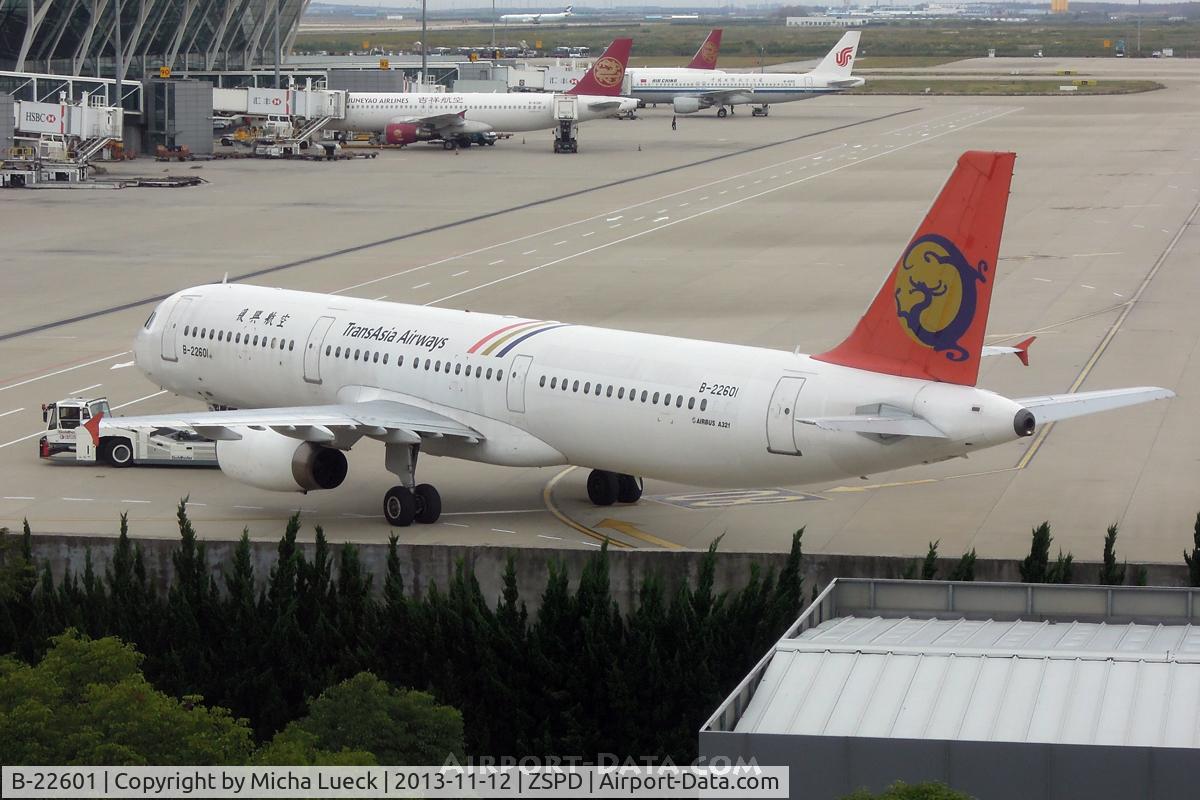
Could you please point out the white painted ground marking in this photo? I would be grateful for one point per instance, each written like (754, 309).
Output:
(421, 285)
(64, 369)
(683, 205)
(17, 497)
(251, 508)
(723, 191)
(743, 186)
(140, 399)
(85, 389)
(79, 499)
(639, 219)
(544, 536)
(1117, 294)
(614, 219)
(1092, 255)
(661, 211)
(610, 227)
(704, 198)
(464, 272)
(497, 261)
(1087, 286)
(589, 233)
(590, 544)
(381, 297)
(1138, 226)
(1044, 280)
(529, 252)
(502, 530)
(660, 219)
(202, 505)
(14, 411)
(503, 511)
(23, 438)
(122, 365)
(137, 501)
(456, 524)
(564, 241)
(721, 207)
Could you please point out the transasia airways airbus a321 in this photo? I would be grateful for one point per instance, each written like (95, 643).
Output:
(312, 375)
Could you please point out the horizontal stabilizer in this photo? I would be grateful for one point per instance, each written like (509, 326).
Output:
(1053, 407)
(886, 425)
(1020, 350)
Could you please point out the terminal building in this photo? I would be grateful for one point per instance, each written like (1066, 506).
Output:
(1000, 691)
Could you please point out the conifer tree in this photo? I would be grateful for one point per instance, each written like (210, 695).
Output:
(1193, 559)
(1033, 568)
(1110, 573)
(964, 570)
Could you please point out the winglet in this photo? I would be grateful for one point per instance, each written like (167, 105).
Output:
(928, 319)
(706, 56)
(1022, 349)
(608, 73)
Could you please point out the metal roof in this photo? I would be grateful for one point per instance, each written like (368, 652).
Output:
(1048, 666)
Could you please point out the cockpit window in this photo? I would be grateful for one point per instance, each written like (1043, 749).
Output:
(68, 417)
(150, 319)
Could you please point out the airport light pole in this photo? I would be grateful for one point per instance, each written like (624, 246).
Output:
(278, 55)
(493, 25)
(424, 45)
(1139, 29)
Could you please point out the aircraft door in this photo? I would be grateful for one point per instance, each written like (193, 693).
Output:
(312, 350)
(516, 383)
(171, 328)
(780, 415)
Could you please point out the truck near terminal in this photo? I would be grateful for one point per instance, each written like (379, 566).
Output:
(72, 434)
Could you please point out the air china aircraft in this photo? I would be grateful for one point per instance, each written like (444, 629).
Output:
(537, 19)
(314, 375)
(404, 118)
(690, 91)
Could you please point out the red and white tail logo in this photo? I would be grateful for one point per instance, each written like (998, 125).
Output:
(606, 75)
(844, 55)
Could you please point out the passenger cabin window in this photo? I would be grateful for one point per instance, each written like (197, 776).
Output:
(704, 404)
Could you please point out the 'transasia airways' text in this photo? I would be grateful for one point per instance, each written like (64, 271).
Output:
(392, 335)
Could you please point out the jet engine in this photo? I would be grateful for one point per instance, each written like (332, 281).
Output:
(270, 460)
(401, 133)
(686, 105)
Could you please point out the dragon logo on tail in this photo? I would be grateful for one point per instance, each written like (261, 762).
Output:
(936, 294)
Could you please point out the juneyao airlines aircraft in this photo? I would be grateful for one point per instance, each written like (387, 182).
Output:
(537, 19)
(705, 60)
(404, 118)
(694, 90)
(313, 375)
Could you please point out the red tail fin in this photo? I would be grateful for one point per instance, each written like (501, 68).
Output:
(706, 56)
(606, 75)
(928, 319)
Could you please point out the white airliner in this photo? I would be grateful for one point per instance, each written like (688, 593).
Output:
(537, 19)
(691, 90)
(404, 118)
(313, 375)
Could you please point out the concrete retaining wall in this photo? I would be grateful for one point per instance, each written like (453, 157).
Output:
(428, 564)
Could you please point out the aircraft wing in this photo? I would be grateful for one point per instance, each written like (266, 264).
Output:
(387, 420)
(1020, 350)
(438, 123)
(1053, 407)
(605, 105)
(887, 425)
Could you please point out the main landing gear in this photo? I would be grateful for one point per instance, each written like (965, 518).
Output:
(722, 111)
(409, 502)
(605, 488)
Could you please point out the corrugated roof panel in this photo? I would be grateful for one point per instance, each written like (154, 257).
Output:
(824, 693)
(947, 718)
(1189, 643)
(777, 680)
(1082, 713)
(1054, 701)
(1149, 707)
(1020, 700)
(1116, 702)
(926, 690)
(979, 708)
(900, 687)
(1183, 710)
(959, 632)
(865, 693)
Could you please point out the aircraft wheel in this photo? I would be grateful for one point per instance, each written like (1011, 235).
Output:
(629, 488)
(721, 112)
(399, 507)
(428, 504)
(118, 452)
(448, 145)
(602, 487)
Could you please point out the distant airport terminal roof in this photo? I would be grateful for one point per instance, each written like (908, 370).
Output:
(1078, 665)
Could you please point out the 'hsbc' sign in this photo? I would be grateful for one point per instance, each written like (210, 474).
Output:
(41, 117)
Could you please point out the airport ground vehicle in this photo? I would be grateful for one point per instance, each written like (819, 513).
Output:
(73, 424)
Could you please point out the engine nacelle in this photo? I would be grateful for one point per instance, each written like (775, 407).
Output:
(686, 105)
(278, 463)
(401, 133)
